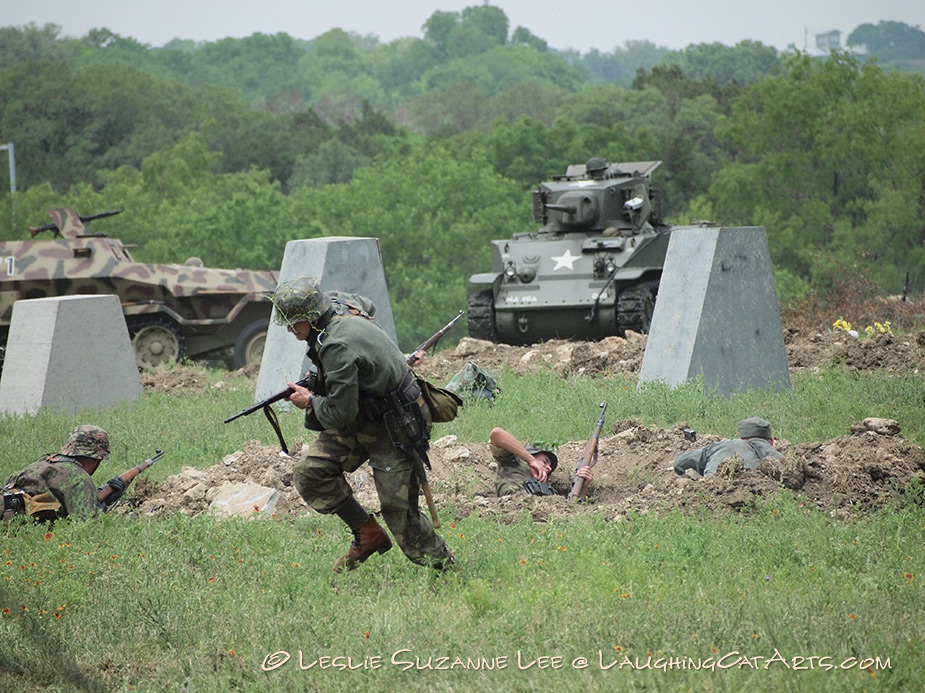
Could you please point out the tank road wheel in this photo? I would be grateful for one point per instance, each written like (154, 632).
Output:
(248, 347)
(157, 344)
(480, 316)
(635, 307)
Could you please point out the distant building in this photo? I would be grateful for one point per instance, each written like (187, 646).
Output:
(828, 41)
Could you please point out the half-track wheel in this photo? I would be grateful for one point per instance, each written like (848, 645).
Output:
(157, 344)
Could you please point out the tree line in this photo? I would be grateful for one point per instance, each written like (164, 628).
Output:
(227, 150)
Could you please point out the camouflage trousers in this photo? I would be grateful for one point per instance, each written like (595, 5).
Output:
(319, 478)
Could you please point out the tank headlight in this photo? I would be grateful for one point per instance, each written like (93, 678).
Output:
(610, 267)
(633, 205)
(510, 272)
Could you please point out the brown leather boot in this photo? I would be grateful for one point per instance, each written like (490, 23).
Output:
(368, 539)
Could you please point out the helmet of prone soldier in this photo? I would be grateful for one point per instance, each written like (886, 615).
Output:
(87, 441)
(550, 455)
(299, 300)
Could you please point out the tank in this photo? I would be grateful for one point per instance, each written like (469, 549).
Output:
(591, 270)
(173, 312)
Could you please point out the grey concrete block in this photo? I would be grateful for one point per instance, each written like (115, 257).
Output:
(69, 353)
(340, 263)
(717, 313)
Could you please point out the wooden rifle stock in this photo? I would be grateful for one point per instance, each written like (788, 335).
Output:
(588, 459)
(129, 475)
(431, 342)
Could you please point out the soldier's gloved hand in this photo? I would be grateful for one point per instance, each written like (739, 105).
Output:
(119, 485)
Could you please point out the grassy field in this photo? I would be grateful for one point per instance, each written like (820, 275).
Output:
(780, 599)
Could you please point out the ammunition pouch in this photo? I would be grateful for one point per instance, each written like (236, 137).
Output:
(311, 420)
(12, 503)
(400, 411)
(538, 488)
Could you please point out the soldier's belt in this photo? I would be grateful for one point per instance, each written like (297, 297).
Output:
(375, 408)
(538, 488)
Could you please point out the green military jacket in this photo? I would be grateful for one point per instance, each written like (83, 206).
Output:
(707, 459)
(357, 359)
(65, 479)
(512, 472)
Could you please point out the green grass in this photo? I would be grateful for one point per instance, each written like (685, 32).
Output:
(667, 602)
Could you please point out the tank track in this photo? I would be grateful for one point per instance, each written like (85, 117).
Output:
(480, 316)
(635, 306)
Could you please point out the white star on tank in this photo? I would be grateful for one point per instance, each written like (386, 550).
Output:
(566, 259)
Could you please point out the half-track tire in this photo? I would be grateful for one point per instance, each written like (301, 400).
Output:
(157, 343)
(248, 347)
(635, 306)
(480, 316)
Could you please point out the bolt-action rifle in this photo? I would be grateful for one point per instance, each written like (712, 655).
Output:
(588, 459)
(127, 476)
(431, 341)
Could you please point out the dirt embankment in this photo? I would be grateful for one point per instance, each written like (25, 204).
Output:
(865, 468)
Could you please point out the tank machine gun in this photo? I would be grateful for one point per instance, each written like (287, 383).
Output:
(591, 270)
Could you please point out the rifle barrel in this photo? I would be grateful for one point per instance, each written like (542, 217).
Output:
(436, 336)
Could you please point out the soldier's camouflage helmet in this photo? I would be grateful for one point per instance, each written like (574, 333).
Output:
(299, 300)
(87, 441)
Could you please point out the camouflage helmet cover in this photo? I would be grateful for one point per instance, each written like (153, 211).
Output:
(87, 441)
(299, 300)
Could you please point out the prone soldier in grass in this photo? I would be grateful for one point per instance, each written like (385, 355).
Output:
(60, 485)
(755, 443)
(367, 406)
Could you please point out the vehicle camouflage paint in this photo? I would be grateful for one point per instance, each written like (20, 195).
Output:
(172, 311)
(591, 270)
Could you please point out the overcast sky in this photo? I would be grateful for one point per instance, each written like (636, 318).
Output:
(600, 24)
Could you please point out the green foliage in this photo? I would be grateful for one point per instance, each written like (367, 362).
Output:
(889, 40)
(826, 153)
(748, 61)
(433, 214)
(621, 65)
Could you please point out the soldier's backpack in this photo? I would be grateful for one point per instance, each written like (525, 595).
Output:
(472, 381)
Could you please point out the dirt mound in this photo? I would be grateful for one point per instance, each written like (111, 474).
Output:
(865, 469)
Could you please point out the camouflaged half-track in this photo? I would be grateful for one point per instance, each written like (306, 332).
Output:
(172, 311)
(591, 270)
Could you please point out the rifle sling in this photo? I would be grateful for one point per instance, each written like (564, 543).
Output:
(274, 422)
